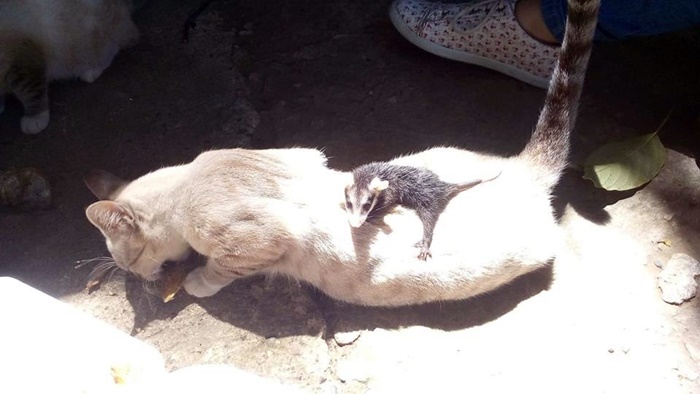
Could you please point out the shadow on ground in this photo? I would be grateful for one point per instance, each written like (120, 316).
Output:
(267, 307)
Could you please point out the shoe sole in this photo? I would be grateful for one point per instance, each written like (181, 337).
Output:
(462, 56)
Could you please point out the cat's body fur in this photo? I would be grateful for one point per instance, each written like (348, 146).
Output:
(280, 211)
(42, 41)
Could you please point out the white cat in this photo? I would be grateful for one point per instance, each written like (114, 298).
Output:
(46, 40)
(281, 211)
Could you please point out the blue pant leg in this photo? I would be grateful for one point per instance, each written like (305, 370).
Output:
(620, 19)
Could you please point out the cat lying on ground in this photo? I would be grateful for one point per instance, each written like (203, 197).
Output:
(281, 212)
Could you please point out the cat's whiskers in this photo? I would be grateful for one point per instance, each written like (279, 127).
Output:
(115, 269)
(81, 263)
(155, 275)
(102, 269)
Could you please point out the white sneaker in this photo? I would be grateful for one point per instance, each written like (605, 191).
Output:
(484, 33)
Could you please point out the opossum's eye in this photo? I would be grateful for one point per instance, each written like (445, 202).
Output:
(366, 206)
(348, 204)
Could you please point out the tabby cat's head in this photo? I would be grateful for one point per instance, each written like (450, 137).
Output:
(135, 239)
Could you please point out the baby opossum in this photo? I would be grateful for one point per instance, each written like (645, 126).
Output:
(381, 186)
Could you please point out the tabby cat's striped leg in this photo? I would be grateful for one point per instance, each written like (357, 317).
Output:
(27, 80)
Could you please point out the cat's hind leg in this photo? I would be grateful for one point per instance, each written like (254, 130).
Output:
(28, 81)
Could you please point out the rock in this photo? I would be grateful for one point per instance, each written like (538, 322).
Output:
(24, 189)
(346, 338)
(677, 279)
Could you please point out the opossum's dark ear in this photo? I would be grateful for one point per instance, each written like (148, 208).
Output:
(378, 184)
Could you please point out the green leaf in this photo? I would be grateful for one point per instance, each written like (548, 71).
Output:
(626, 165)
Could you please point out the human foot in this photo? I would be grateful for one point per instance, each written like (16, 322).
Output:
(485, 33)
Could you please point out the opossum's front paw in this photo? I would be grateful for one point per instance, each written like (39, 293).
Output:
(424, 254)
(34, 124)
(197, 285)
(424, 251)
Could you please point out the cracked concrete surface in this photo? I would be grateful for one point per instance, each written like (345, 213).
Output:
(336, 75)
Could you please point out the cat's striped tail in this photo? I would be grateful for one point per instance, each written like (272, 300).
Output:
(548, 147)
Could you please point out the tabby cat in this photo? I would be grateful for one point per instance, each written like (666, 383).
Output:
(42, 40)
(281, 212)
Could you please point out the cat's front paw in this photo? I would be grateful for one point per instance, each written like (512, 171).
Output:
(34, 124)
(197, 285)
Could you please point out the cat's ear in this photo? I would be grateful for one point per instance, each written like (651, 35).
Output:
(110, 217)
(378, 185)
(103, 184)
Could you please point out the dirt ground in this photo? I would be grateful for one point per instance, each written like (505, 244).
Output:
(336, 75)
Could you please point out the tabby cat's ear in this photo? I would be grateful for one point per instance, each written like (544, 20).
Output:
(103, 184)
(110, 217)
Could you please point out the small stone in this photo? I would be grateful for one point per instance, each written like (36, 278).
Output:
(611, 350)
(658, 263)
(668, 216)
(677, 279)
(346, 338)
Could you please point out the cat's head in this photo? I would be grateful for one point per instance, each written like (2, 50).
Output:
(135, 238)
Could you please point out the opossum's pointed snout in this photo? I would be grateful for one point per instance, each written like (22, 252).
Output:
(356, 221)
